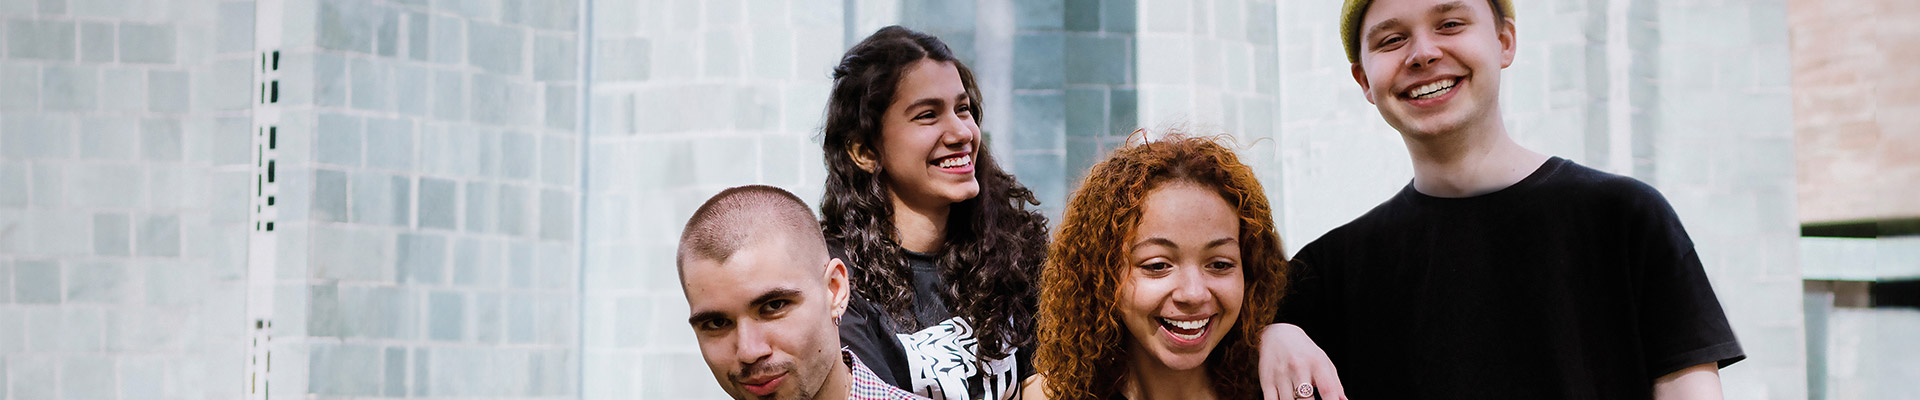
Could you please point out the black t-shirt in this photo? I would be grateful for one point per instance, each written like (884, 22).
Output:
(1570, 284)
(933, 360)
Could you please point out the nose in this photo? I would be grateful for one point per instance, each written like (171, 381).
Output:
(958, 132)
(1424, 53)
(750, 343)
(1190, 288)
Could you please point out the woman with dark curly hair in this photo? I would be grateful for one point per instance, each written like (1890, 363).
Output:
(1161, 274)
(943, 245)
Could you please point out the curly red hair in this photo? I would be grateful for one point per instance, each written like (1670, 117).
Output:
(1082, 351)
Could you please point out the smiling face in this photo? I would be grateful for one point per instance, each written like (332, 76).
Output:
(1183, 288)
(928, 137)
(764, 319)
(1433, 66)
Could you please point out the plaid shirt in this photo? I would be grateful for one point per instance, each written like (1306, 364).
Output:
(868, 386)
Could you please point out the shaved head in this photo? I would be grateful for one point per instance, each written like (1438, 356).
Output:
(763, 295)
(750, 215)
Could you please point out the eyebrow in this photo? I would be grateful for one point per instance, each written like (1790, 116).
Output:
(763, 298)
(1392, 23)
(775, 294)
(705, 316)
(935, 101)
(1169, 243)
(930, 101)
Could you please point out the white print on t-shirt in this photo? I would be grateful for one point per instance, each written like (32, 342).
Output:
(943, 357)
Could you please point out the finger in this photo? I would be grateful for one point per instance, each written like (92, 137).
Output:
(1303, 384)
(1266, 379)
(1272, 381)
(1328, 381)
(1273, 384)
(1281, 390)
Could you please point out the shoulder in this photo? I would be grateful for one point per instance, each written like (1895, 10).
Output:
(1580, 189)
(864, 317)
(1381, 216)
(1583, 180)
(864, 327)
(1034, 388)
(1609, 200)
(858, 307)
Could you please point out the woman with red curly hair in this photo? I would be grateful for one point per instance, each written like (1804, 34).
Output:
(1161, 274)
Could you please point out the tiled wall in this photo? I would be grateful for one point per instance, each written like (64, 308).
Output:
(124, 171)
(427, 247)
(1072, 92)
(1721, 137)
(1211, 67)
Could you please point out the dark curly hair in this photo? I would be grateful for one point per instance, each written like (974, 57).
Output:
(1082, 350)
(995, 241)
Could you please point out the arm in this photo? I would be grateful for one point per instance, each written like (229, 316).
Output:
(1692, 383)
(1288, 358)
(1682, 325)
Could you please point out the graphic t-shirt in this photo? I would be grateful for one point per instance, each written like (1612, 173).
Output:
(940, 360)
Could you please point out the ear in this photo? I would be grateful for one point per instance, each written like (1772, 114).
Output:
(863, 157)
(1509, 41)
(1360, 75)
(838, 285)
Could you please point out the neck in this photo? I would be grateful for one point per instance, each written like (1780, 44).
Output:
(921, 229)
(1149, 379)
(839, 383)
(1469, 163)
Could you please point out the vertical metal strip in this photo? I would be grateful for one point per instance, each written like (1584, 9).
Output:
(583, 125)
(262, 238)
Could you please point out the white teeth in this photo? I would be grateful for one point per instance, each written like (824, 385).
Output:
(1186, 325)
(956, 162)
(1432, 90)
(1194, 324)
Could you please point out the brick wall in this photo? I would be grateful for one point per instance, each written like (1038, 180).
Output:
(1855, 108)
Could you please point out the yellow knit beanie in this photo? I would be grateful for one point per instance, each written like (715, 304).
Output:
(1351, 13)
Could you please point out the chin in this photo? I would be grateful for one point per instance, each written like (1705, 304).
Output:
(964, 192)
(1430, 125)
(1184, 362)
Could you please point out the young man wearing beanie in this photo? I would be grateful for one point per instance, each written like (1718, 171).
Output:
(1498, 272)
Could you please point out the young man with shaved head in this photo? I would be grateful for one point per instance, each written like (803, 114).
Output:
(765, 300)
(1498, 272)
